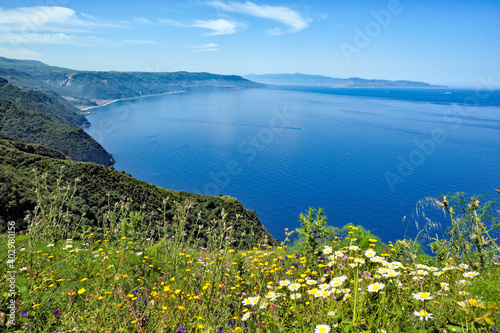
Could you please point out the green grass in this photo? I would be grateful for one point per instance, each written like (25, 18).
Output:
(126, 285)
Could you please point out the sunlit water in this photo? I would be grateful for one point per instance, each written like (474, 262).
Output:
(365, 155)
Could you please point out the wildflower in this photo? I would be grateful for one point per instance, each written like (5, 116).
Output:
(246, 316)
(181, 308)
(423, 296)
(57, 313)
(470, 274)
(294, 286)
(327, 250)
(322, 329)
(295, 296)
(284, 283)
(445, 286)
(25, 313)
(370, 253)
(35, 306)
(50, 245)
(422, 314)
(180, 329)
(354, 248)
(81, 291)
(375, 287)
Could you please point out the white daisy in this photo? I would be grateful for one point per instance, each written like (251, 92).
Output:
(375, 287)
(422, 314)
(423, 296)
(322, 329)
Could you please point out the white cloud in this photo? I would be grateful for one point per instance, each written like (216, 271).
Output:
(19, 53)
(45, 38)
(205, 47)
(219, 27)
(49, 25)
(143, 20)
(34, 18)
(285, 15)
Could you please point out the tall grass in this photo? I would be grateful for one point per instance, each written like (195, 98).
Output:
(121, 277)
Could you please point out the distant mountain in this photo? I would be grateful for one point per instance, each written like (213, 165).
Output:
(326, 81)
(88, 88)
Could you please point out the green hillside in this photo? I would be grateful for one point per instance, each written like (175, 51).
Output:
(42, 103)
(87, 87)
(23, 124)
(101, 187)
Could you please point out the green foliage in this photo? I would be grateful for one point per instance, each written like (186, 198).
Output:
(468, 238)
(26, 125)
(313, 229)
(41, 103)
(111, 201)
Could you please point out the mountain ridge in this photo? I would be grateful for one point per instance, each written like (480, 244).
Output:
(327, 81)
(88, 88)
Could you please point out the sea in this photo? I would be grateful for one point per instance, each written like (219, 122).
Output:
(374, 157)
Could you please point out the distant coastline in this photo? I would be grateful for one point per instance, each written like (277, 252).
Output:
(104, 102)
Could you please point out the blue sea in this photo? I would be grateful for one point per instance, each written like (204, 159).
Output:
(366, 156)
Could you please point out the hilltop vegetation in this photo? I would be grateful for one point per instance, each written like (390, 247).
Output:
(23, 124)
(42, 103)
(99, 189)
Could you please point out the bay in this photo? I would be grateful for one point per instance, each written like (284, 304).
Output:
(367, 156)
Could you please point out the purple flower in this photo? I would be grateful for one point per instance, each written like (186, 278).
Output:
(181, 329)
(57, 313)
(25, 313)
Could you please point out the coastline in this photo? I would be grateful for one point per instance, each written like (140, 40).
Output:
(107, 102)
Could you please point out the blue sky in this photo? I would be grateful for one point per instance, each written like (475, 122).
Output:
(441, 42)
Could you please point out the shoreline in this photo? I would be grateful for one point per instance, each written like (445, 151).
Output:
(86, 109)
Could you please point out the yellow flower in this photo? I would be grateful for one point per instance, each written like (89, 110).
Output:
(123, 237)
(125, 276)
(83, 280)
(81, 291)
(200, 326)
(181, 308)
(119, 306)
(100, 298)
(177, 291)
(35, 306)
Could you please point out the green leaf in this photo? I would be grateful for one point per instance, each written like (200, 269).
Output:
(347, 328)
(399, 313)
(454, 328)
(448, 299)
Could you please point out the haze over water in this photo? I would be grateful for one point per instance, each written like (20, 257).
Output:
(365, 155)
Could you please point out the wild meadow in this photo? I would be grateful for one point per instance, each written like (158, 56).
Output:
(115, 277)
